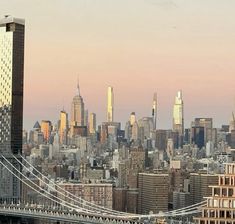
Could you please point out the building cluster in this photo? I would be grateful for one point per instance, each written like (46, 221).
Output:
(137, 169)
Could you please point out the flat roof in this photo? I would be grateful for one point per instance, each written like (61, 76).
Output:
(10, 19)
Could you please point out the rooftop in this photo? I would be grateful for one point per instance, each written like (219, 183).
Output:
(10, 19)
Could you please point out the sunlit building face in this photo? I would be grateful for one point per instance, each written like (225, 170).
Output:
(178, 114)
(110, 105)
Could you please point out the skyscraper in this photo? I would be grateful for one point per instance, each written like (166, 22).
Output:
(207, 124)
(154, 111)
(92, 123)
(132, 118)
(63, 130)
(110, 105)
(77, 109)
(11, 99)
(46, 128)
(232, 122)
(153, 193)
(178, 114)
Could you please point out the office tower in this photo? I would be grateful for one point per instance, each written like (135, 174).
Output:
(11, 100)
(199, 186)
(178, 114)
(232, 123)
(154, 111)
(153, 193)
(170, 148)
(46, 128)
(161, 139)
(92, 123)
(110, 105)
(136, 165)
(232, 139)
(128, 131)
(132, 118)
(180, 199)
(147, 124)
(86, 118)
(207, 124)
(198, 136)
(135, 131)
(77, 109)
(221, 201)
(63, 129)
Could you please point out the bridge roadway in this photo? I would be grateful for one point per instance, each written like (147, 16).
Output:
(63, 216)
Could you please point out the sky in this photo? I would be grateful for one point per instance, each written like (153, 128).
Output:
(136, 46)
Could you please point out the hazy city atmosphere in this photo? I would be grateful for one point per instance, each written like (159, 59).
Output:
(136, 46)
(117, 112)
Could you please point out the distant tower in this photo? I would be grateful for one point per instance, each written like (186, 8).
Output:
(77, 109)
(46, 128)
(110, 105)
(178, 114)
(86, 117)
(92, 123)
(154, 111)
(232, 123)
(132, 118)
(11, 101)
(63, 131)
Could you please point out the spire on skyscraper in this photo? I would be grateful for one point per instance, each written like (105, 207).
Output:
(154, 111)
(78, 86)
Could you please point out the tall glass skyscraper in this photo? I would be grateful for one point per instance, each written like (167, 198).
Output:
(63, 130)
(178, 114)
(11, 99)
(110, 104)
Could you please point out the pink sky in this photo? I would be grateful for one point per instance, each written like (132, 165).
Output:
(138, 47)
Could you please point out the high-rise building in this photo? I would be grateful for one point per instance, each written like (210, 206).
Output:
(207, 124)
(86, 118)
(153, 193)
(110, 105)
(198, 136)
(154, 111)
(132, 118)
(11, 100)
(178, 114)
(46, 128)
(232, 123)
(92, 123)
(147, 124)
(77, 110)
(199, 186)
(63, 130)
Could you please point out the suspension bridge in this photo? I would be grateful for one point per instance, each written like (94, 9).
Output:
(67, 207)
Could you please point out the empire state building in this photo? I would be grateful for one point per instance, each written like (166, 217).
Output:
(77, 110)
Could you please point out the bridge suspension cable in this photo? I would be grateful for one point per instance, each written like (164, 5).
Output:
(83, 205)
(61, 202)
(91, 208)
(103, 209)
(54, 198)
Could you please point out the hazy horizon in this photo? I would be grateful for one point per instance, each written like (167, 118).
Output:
(137, 46)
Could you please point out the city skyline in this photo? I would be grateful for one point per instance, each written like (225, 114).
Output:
(121, 45)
